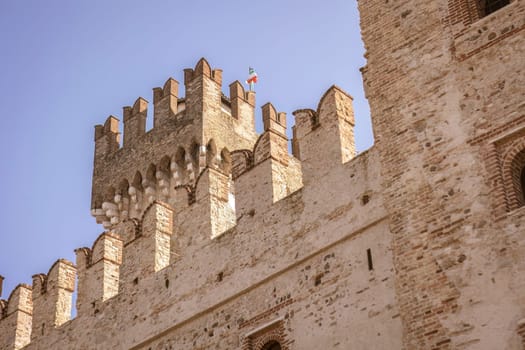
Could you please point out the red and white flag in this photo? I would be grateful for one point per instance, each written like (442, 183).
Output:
(252, 79)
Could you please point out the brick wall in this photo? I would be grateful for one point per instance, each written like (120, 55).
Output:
(437, 77)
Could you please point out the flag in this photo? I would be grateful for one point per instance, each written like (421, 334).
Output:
(252, 78)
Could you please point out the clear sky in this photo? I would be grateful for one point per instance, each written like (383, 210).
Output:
(66, 65)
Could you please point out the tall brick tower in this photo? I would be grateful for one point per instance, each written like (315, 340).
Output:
(189, 135)
(445, 81)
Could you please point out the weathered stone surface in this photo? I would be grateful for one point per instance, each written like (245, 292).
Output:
(445, 97)
(218, 238)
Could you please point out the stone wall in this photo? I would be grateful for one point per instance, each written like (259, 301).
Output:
(446, 96)
(241, 254)
(219, 238)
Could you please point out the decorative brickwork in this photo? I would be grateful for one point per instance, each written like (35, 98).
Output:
(274, 332)
(504, 157)
(467, 12)
(513, 163)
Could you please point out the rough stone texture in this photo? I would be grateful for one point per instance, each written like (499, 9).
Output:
(446, 96)
(15, 326)
(242, 253)
(52, 298)
(219, 239)
(98, 271)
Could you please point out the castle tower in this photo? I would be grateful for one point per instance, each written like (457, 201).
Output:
(190, 136)
(445, 80)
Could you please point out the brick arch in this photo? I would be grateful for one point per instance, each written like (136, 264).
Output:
(512, 165)
(261, 339)
(274, 336)
(467, 12)
(271, 344)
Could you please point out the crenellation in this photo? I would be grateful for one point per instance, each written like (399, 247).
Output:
(202, 68)
(325, 137)
(273, 120)
(306, 120)
(222, 201)
(16, 318)
(98, 272)
(107, 138)
(269, 169)
(135, 121)
(83, 258)
(20, 299)
(39, 283)
(273, 143)
(242, 108)
(241, 99)
(52, 297)
(165, 101)
(211, 208)
(150, 250)
(216, 75)
(249, 182)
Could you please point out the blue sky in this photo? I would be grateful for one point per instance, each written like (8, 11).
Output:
(66, 65)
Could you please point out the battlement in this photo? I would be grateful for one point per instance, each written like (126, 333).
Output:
(332, 124)
(98, 272)
(202, 69)
(167, 194)
(15, 318)
(189, 134)
(52, 297)
(212, 142)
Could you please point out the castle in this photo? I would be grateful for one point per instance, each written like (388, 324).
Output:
(218, 238)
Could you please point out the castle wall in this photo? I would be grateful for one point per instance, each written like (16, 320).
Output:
(218, 238)
(223, 292)
(257, 245)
